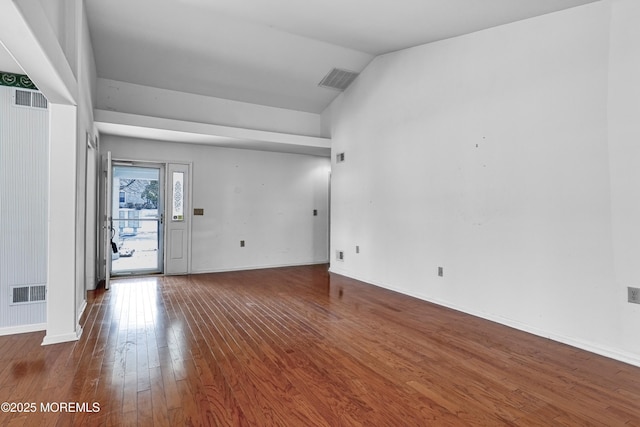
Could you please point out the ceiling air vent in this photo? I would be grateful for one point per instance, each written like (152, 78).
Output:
(338, 79)
(27, 294)
(27, 98)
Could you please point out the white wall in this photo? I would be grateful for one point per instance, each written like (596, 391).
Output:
(68, 21)
(23, 210)
(487, 155)
(87, 79)
(61, 15)
(49, 42)
(85, 183)
(624, 134)
(266, 199)
(168, 104)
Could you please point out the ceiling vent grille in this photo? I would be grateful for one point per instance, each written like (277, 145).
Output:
(27, 294)
(27, 98)
(338, 79)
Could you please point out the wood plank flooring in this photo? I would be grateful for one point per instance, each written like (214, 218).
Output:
(300, 347)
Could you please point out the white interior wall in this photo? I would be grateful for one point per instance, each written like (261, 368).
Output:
(87, 76)
(85, 184)
(61, 15)
(68, 21)
(487, 155)
(266, 199)
(45, 39)
(624, 154)
(91, 214)
(23, 210)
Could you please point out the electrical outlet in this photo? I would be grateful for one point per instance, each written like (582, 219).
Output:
(441, 271)
(340, 255)
(242, 243)
(357, 249)
(633, 295)
(315, 212)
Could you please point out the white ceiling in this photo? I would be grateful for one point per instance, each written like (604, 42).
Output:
(7, 63)
(268, 52)
(275, 52)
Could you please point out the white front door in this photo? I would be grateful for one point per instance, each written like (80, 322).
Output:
(178, 219)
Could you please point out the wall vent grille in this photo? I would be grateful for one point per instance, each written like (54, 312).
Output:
(28, 294)
(20, 295)
(338, 79)
(38, 293)
(39, 101)
(23, 98)
(27, 98)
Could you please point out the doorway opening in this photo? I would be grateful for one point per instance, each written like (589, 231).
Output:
(137, 217)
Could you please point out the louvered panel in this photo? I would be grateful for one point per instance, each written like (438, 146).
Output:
(23, 97)
(19, 294)
(338, 79)
(38, 100)
(38, 293)
(28, 294)
(23, 206)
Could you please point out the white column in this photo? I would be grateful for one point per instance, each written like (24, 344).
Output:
(62, 317)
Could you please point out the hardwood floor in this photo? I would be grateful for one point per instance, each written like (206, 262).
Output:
(299, 347)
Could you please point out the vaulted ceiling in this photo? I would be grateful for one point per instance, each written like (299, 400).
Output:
(275, 52)
(7, 63)
(266, 52)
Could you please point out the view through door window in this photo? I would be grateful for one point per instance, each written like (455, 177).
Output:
(137, 205)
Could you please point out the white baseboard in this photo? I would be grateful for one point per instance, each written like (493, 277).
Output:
(82, 308)
(57, 339)
(23, 329)
(257, 267)
(611, 353)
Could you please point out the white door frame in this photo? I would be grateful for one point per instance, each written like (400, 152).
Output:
(107, 220)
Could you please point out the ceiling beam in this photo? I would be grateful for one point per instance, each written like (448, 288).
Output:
(155, 128)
